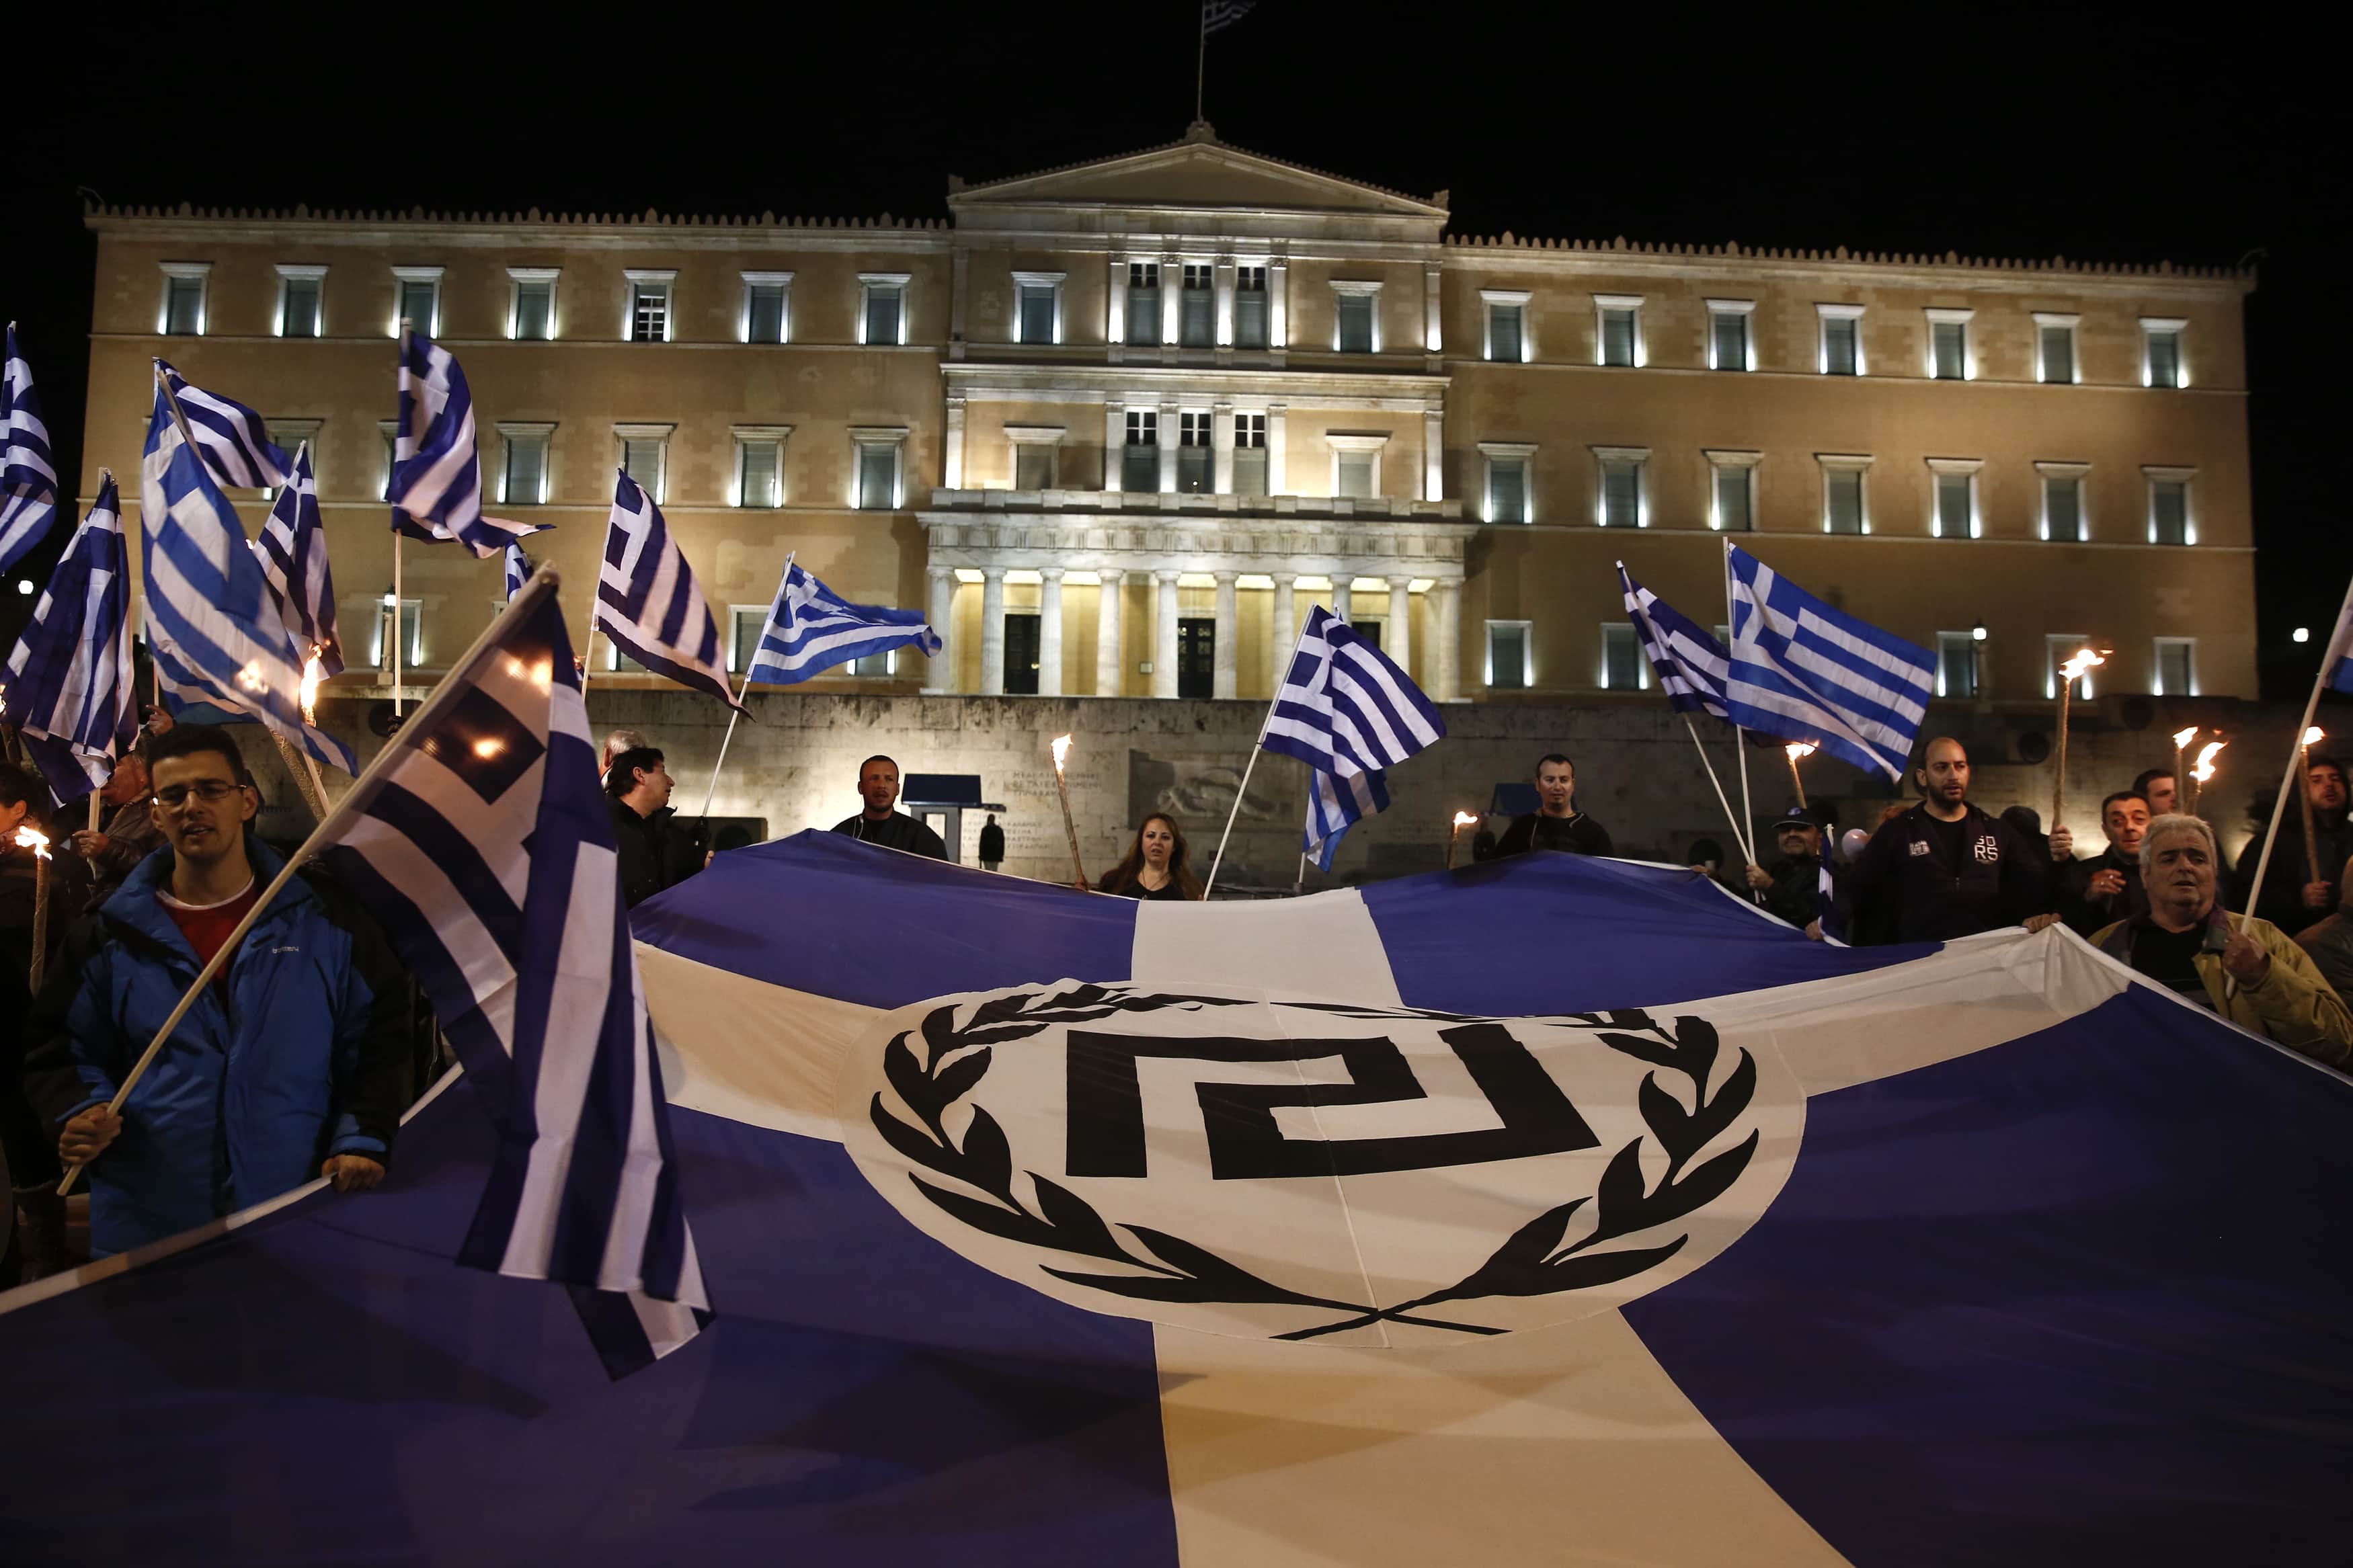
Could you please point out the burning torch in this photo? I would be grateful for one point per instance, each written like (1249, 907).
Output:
(1061, 747)
(2069, 673)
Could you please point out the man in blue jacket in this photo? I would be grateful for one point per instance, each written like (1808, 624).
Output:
(293, 1064)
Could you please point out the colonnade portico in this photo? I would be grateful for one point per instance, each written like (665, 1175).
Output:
(1151, 553)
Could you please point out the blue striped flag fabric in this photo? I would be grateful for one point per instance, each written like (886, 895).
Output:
(647, 601)
(1344, 707)
(519, 570)
(210, 614)
(29, 474)
(1337, 802)
(810, 628)
(2338, 665)
(232, 438)
(1692, 666)
(437, 476)
(293, 551)
(1805, 672)
(484, 849)
(70, 691)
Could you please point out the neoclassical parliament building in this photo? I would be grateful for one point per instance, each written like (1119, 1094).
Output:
(1118, 425)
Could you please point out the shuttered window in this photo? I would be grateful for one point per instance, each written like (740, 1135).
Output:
(2168, 507)
(420, 304)
(297, 316)
(2164, 357)
(1730, 330)
(183, 306)
(1139, 467)
(650, 312)
(1953, 493)
(1618, 337)
(1193, 471)
(885, 304)
(1956, 665)
(1622, 666)
(2062, 508)
(759, 473)
(1504, 336)
(1250, 454)
(1950, 340)
(534, 309)
(2177, 667)
(1732, 508)
(1508, 489)
(1033, 466)
(1507, 655)
(1036, 324)
(1142, 303)
(641, 456)
(1842, 491)
(764, 313)
(1195, 312)
(1840, 345)
(1621, 493)
(525, 481)
(1356, 312)
(1250, 307)
(1357, 474)
(878, 475)
(2058, 355)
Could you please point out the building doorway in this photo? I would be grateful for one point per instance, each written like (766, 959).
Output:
(1021, 656)
(1197, 655)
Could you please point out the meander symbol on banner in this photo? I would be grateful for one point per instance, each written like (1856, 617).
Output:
(1304, 1169)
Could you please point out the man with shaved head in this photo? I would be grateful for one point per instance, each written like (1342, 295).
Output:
(1944, 868)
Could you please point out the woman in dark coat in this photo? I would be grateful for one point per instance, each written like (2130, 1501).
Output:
(1156, 866)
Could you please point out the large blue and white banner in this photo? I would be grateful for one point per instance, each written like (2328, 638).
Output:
(1556, 1211)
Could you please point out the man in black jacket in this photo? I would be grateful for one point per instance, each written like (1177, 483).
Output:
(1792, 885)
(1556, 823)
(2106, 887)
(877, 785)
(1943, 868)
(2292, 898)
(654, 852)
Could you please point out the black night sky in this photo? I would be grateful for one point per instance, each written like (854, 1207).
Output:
(2115, 136)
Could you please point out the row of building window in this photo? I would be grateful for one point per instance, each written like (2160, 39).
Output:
(1960, 660)
(765, 316)
(1621, 493)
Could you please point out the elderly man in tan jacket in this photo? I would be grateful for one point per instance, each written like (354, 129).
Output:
(2251, 972)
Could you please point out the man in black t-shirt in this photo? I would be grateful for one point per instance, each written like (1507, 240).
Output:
(1944, 868)
(878, 783)
(1558, 824)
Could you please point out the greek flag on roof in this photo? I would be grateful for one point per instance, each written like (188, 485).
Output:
(436, 479)
(1805, 672)
(293, 551)
(211, 616)
(485, 850)
(1346, 706)
(811, 628)
(647, 601)
(233, 439)
(29, 474)
(70, 680)
(1335, 802)
(1691, 664)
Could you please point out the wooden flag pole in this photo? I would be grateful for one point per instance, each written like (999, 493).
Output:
(2304, 798)
(443, 694)
(398, 708)
(2335, 651)
(737, 711)
(1739, 840)
(1248, 768)
(1740, 742)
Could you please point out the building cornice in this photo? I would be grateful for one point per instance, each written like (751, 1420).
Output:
(1621, 256)
(1080, 383)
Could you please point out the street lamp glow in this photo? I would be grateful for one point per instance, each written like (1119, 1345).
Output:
(2300, 634)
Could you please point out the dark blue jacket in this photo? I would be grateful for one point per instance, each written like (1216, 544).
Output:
(306, 1056)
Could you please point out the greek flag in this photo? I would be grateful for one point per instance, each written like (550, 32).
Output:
(1691, 664)
(1336, 803)
(1344, 707)
(70, 680)
(1805, 672)
(811, 628)
(518, 570)
(484, 849)
(647, 601)
(29, 474)
(436, 479)
(1217, 15)
(212, 620)
(232, 438)
(2339, 660)
(293, 551)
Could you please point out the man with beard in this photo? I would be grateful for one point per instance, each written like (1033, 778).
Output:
(2293, 898)
(1943, 868)
(2106, 888)
(877, 785)
(1792, 887)
(2248, 971)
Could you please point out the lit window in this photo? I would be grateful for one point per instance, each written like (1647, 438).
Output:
(1730, 346)
(1250, 454)
(1846, 507)
(1196, 313)
(1038, 307)
(416, 299)
(1507, 655)
(531, 312)
(650, 306)
(183, 312)
(1948, 345)
(2177, 667)
(1507, 324)
(2062, 502)
(1619, 498)
(2054, 348)
(760, 465)
(1356, 318)
(1143, 304)
(882, 308)
(1139, 459)
(1623, 667)
(2170, 521)
(1956, 663)
(522, 478)
(1193, 465)
(878, 473)
(1618, 328)
(1953, 483)
(1508, 466)
(2161, 361)
(1841, 345)
(2057, 649)
(300, 296)
(767, 307)
(1250, 307)
(1732, 490)
(644, 456)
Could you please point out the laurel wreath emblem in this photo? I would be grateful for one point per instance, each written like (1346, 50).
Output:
(1532, 1261)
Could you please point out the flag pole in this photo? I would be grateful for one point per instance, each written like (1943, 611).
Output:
(1739, 840)
(1263, 724)
(737, 711)
(1740, 742)
(1200, 72)
(396, 704)
(443, 695)
(2335, 651)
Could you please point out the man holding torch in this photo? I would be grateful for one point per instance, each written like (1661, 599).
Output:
(2294, 896)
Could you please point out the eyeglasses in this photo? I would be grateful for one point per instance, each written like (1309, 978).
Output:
(170, 797)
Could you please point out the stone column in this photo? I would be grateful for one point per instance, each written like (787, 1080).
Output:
(1168, 437)
(1278, 450)
(1050, 631)
(1399, 641)
(1433, 454)
(1446, 667)
(1343, 595)
(1278, 303)
(1172, 280)
(1110, 665)
(1115, 311)
(1286, 621)
(992, 631)
(1224, 656)
(1164, 635)
(1114, 439)
(952, 447)
(1221, 443)
(939, 670)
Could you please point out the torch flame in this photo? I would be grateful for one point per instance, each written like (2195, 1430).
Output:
(1061, 748)
(28, 837)
(2205, 768)
(312, 670)
(1799, 749)
(2072, 670)
(2183, 738)
(1464, 820)
(2313, 736)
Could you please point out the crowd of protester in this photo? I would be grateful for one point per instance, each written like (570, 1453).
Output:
(298, 1060)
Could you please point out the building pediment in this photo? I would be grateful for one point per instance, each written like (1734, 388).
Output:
(1198, 173)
